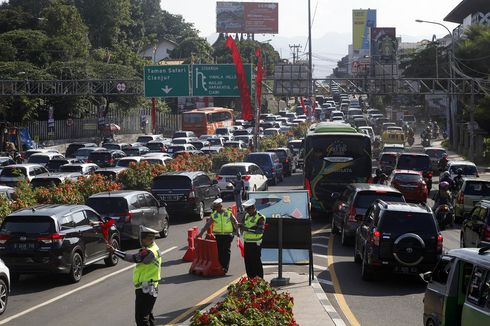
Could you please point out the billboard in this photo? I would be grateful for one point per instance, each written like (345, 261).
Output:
(384, 45)
(247, 17)
(362, 20)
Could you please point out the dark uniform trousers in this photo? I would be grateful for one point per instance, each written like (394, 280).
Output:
(253, 263)
(143, 308)
(224, 249)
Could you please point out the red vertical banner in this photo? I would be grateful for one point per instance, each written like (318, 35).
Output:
(258, 77)
(153, 114)
(241, 80)
(303, 104)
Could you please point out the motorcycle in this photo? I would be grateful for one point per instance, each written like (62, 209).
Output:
(426, 142)
(410, 140)
(442, 164)
(435, 133)
(444, 134)
(444, 216)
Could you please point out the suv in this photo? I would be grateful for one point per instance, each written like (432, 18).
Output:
(106, 159)
(4, 286)
(56, 239)
(475, 231)
(471, 192)
(72, 148)
(288, 160)
(44, 158)
(400, 237)
(11, 175)
(387, 162)
(186, 192)
(147, 138)
(130, 209)
(416, 162)
(183, 133)
(353, 204)
(269, 163)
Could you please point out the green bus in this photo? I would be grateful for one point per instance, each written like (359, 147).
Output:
(335, 155)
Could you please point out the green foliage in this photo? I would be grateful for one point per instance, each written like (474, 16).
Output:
(279, 140)
(140, 176)
(482, 114)
(227, 155)
(300, 130)
(5, 208)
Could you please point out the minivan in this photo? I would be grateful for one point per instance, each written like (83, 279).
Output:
(269, 163)
(458, 289)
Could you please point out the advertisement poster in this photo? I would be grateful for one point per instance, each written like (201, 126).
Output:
(362, 21)
(247, 17)
(384, 45)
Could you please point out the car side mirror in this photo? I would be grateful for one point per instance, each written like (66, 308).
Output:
(427, 276)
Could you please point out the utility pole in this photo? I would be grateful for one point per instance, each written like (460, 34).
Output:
(295, 51)
(310, 63)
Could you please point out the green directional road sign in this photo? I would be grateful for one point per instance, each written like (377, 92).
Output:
(218, 80)
(166, 81)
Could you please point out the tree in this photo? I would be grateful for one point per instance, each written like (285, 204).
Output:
(29, 45)
(193, 49)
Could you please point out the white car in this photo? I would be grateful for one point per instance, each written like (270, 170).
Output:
(253, 177)
(44, 158)
(469, 168)
(4, 286)
(30, 152)
(11, 175)
(162, 160)
(368, 131)
(125, 162)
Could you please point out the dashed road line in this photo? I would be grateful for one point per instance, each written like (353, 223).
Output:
(320, 237)
(322, 297)
(324, 281)
(320, 245)
(321, 256)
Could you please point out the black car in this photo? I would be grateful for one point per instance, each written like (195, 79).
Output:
(287, 158)
(55, 239)
(398, 237)
(136, 151)
(72, 148)
(353, 203)
(416, 162)
(116, 146)
(186, 193)
(105, 159)
(55, 165)
(130, 209)
(475, 231)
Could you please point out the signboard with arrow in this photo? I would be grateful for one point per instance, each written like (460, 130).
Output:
(166, 80)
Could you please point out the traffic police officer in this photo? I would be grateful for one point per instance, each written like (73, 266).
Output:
(224, 226)
(253, 231)
(146, 274)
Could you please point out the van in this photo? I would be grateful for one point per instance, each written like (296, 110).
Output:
(269, 163)
(458, 289)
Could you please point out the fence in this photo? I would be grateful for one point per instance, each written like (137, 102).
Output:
(130, 123)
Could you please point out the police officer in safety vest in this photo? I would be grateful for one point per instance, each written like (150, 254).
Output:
(253, 231)
(225, 226)
(146, 274)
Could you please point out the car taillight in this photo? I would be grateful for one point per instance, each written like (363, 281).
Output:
(110, 161)
(246, 177)
(127, 216)
(218, 177)
(486, 233)
(4, 238)
(461, 198)
(352, 215)
(429, 175)
(89, 161)
(286, 161)
(51, 238)
(439, 243)
(376, 236)
(307, 186)
(370, 180)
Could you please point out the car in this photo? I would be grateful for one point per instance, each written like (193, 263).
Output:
(241, 132)
(136, 151)
(269, 132)
(115, 146)
(410, 120)
(147, 138)
(269, 163)
(295, 145)
(105, 159)
(212, 149)
(288, 160)
(394, 148)
(206, 137)
(53, 180)
(475, 230)
(172, 149)
(353, 203)
(238, 144)
(469, 168)
(411, 184)
(387, 162)
(7, 192)
(183, 140)
(112, 174)
(458, 289)
(368, 130)
(30, 152)
(55, 239)
(158, 146)
(398, 237)
(83, 153)
(130, 209)
(73, 147)
(225, 132)
(4, 286)
(253, 177)
(161, 159)
(216, 141)
(435, 155)
(393, 135)
(186, 193)
(416, 162)
(55, 164)
(6, 160)
(471, 192)
(126, 162)
(44, 158)
(11, 175)
(198, 144)
(183, 133)
(246, 139)
(81, 168)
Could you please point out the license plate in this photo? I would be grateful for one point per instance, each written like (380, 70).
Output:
(169, 197)
(24, 246)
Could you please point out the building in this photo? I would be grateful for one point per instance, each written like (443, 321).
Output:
(160, 51)
(467, 13)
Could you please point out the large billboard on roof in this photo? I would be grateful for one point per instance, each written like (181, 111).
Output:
(247, 17)
(362, 21)
(384, 45)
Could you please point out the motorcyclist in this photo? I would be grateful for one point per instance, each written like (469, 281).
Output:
(446, 177)
(442, 164)
(458, 179)
(380, 177)
(443, 196)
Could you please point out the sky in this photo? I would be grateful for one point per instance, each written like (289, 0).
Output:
(332, 23)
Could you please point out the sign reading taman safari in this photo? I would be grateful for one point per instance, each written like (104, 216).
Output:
(247, 17)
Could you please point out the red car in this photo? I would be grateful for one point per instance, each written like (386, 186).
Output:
(411, 184)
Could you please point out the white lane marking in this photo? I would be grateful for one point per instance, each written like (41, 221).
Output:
(320, 237)
(322, 268)
(25, 312)
(324, 281)
(320, 245)
(321, 256)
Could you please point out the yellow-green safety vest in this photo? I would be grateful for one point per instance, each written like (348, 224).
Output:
(251, 222)
(222, 222)
(148, 272)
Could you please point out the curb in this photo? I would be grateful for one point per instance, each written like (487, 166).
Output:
(322, 297)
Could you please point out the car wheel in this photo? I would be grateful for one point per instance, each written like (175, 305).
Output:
(430, 322)
(200, 211)
(266, 186)
(4, 296)
(76, 269)
(164, 232)
(112, 260)
(343, 237)
(365, 268)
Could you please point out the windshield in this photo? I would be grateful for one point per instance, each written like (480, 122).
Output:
(144, 139)
(222, 131)
(388, 160)
(84, 151)
(259, 159)
(281, 154)
(171, 182)
(111, 146)
(173, 149)
(45, 182)
(153, 161)
(154, 146)
(270, 132)
(192, 118)
(13, 172)
(214, 141)
(402, 221)
(366, 198)
(71, 168)
(407, 177)
(477, 188)
(414, 162)
(100, 156)
(435, 153)
(232, 170)
(108, 205)
(28, 225)
(39, 159)
(126, 163)
(467, 169)
(55, 164)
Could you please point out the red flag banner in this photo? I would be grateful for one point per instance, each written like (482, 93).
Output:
(258, 77)
(303, 105)
(241, 80)
(105, 227)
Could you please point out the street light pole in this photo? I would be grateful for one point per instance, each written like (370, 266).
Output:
(310, 64)
(451, 113)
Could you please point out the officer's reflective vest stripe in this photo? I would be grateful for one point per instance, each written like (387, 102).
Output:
(222, 222)
(148, 272)
(251, 222)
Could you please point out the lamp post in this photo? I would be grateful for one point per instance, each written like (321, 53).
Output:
(450, 114)
(435, 43)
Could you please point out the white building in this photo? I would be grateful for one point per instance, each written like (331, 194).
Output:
(158, 52)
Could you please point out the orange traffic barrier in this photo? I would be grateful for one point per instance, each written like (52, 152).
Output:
(233, 210)
(191, 248)
(206, 262)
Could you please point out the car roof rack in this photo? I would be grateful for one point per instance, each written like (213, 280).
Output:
(483, 250)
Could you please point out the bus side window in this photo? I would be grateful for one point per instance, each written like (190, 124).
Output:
(478, 288)
(465, 270)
